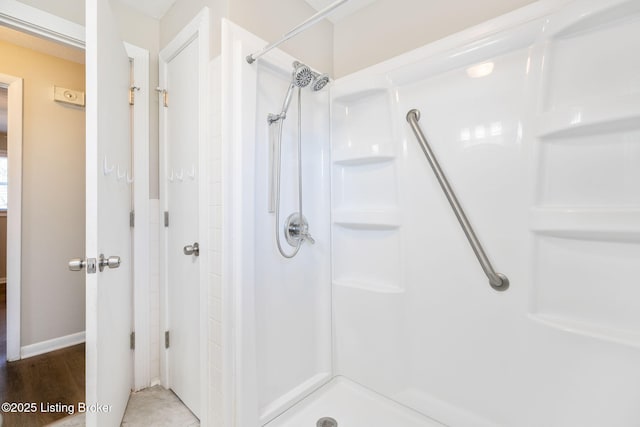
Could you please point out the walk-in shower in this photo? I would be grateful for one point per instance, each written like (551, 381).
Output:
(387, 320)
(296, 228)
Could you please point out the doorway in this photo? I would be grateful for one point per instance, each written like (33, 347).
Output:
(45, 222)
(140, 198)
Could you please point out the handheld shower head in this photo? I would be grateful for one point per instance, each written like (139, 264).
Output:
(302, 75)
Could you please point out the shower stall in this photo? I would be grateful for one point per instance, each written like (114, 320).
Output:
(388, 319)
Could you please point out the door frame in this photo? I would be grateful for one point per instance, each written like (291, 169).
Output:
(14, 215)
(34, 21)
(197, 28)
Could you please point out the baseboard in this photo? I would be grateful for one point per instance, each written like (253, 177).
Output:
(51, 345)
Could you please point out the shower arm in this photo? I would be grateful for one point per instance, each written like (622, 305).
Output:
(297, 30)
(498, 281)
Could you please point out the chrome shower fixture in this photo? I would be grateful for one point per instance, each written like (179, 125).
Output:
(301, 77)
(319, 82)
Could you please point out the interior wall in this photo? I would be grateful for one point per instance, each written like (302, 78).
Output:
(388, 28)
(3, 224)
(53, 191)
(72, 10)
(183, 11)
(263, 19)
(137, 29)
(270, 21)
(143, 31)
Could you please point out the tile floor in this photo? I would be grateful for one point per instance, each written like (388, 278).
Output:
(153, 406)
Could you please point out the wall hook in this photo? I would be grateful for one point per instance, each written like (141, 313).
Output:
(106, 170)
(129, 178)
(192, 174)
(170, 177)
(181, 176)
(120, 175)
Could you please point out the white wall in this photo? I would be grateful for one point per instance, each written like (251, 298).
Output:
(390, 27)
(144, 31)
(53, 195)
(73, 10)
(137, 29)
(263, 19)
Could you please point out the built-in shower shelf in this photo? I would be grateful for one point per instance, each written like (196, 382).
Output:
(360, 157)
(367, 220)
(601, 116)
(622, 224)
(369, 286)
(616, 335)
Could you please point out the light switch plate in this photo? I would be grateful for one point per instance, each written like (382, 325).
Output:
(68, 96)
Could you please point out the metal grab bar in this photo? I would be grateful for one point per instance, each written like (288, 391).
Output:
(498, 281)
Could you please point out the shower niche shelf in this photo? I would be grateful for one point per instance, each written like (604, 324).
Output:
(622, 224)
(592, 169)
(586, 62)
(367, 257)
(376, 287)
(588, 282)
(618, 336)
(384, 219)
(371, 154)
(612, 115)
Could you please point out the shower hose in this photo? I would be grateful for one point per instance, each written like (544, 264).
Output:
(278, 164)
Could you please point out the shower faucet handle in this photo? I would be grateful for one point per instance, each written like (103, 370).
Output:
(296, 231)
(307, 236)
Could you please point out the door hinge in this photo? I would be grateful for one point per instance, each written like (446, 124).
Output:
(166, 339)
(165, 96)
(132, 94)
(132, 219)
(166, 218)
(132, 341)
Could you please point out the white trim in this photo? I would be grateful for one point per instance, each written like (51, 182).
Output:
(198, 28)
(37, 22)
(52, 345)
(14, 217)
(141, 291)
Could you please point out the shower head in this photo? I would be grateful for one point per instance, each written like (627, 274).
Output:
(302, 75)
(319, 82)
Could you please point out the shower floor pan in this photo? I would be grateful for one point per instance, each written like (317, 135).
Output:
(351, 405)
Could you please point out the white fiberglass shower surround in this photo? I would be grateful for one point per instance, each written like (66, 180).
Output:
(388, 319)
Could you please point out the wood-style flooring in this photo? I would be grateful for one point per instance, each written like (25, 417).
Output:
(56, 377)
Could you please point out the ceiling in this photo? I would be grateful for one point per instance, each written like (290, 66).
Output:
(341, 12)
(157, 8)
(154, 8)
(41, 45)
(3, 110)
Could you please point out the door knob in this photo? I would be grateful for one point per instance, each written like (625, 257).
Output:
(192, 249)
(111, 262)
(77, 264)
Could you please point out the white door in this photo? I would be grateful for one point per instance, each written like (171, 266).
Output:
(108, 193)
(181, 127)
